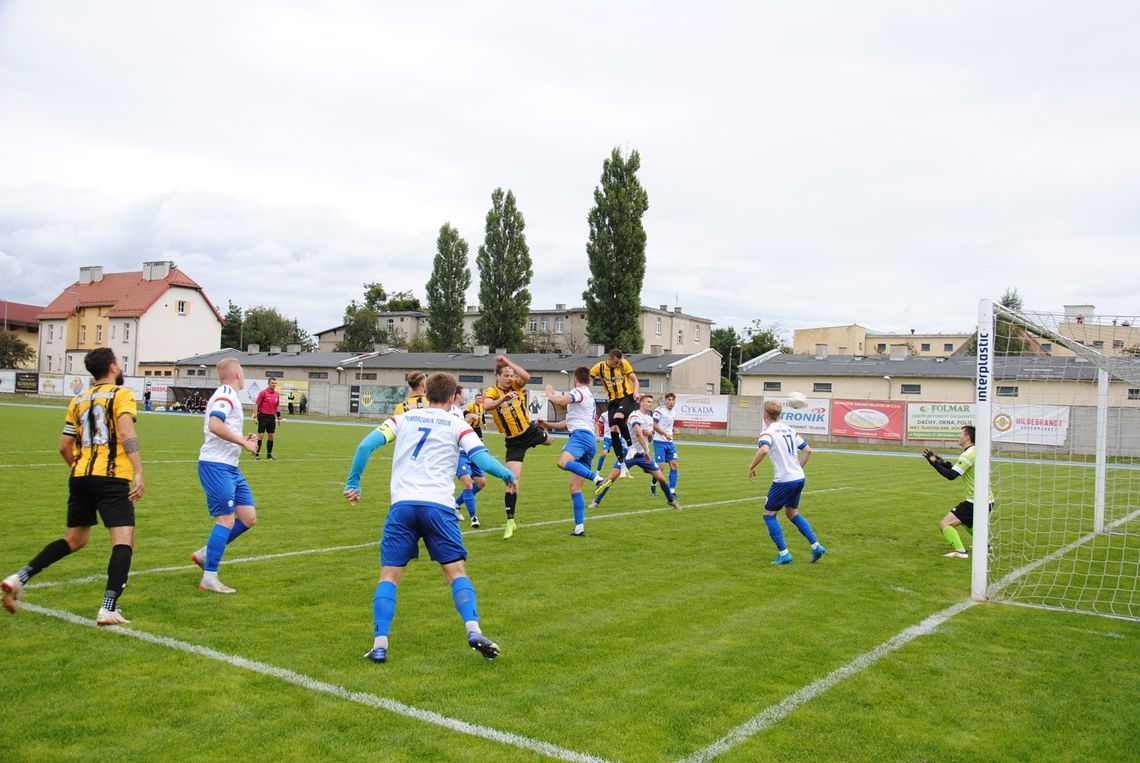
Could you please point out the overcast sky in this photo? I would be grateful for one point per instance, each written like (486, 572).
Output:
(807, 163)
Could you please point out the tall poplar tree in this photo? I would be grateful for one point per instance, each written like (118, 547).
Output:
(447, 291)
(616, 252)
(504, 275)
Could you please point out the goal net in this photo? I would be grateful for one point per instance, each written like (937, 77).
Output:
(1058, 442)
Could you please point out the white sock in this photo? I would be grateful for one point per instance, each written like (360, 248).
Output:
(472, 626)
(380, 642)
(579, 528)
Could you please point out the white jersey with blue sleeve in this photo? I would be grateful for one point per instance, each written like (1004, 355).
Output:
(428, 441)
(225, 405)
(580, 411)
(784, 446)
(664, 418)
(642, 421)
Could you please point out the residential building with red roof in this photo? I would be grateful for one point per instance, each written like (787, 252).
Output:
(20, 319)
(150, 318)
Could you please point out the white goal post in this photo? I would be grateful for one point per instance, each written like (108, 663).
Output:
(1057, 416)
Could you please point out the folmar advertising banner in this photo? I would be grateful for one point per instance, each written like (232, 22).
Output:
(937, 421)
(814, 418)
(880, 420)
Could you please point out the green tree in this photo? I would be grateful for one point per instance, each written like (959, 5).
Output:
(402, 301)
(374, 296)
(362, 330)
(267, 326)
(723, 340)
(232, 334)
(504, 275)
(616, 252)
(447, 291)
(14, 351)
(1010, 338)
(762, 339)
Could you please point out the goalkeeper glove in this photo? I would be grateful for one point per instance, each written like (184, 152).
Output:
(930, 456)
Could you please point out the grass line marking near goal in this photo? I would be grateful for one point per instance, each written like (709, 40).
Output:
(316, 685)
(775, 713)
(376, 541)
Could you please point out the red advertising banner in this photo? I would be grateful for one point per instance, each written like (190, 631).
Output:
(867, 418)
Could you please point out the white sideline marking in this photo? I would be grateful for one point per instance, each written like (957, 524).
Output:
(376, 542)
(775, 713)
(313, 684)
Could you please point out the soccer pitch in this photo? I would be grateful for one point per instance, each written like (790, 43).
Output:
(663, 635)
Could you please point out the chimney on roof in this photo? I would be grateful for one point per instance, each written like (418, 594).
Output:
(597, 350)
(481, 350)
(900, 351)
(678, 310)
(471, 308)
(380, 348)
(293, 349)
(559, 306)
(665, 308)
(90, 274)
(274, 349)
(253, 349)
(656, 350)
(157, 270)
(821, 352)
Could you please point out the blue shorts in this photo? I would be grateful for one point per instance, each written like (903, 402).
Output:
(645, 464)
(784, 494)
(664, 451)
(409, 521)
(225, 487)
(582, 446)
(607, 443)
(467, 467)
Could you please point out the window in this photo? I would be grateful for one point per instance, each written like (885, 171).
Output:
(126, 332)
(1007, 391)
(367, 376)
(557, 325)
(1134, 394)
(910, 389)
(51, 332)
(49, 363)
(69, 360)
(709, 389)
(821, 387)
(318, 374)
(545, 325)
(1118, 344)
(1047, 346)
(274, 374)
(771, 386)
(99, 333)
(532, 326)
(83, 333)
(1098, 343)
(112, 330)
(696, 334)
(925, 347)
(167, 373)
(147, 372)
(471, 378)
(658, 327)
(535, 380)
(680, 336)
(881, 347)
(948, 347)
(126, 363)
(391, 326)
(182, 307)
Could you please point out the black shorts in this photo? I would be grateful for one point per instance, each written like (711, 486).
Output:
(518, 446)
(266, 422)
(107, 496)
(625, 405)
(965, 513)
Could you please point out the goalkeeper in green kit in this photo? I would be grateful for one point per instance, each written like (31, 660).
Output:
(963, 513)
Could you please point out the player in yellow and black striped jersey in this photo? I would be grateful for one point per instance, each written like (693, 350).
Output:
(622, 386)
(473, 414)
(418, 398)
(506, 400)
(100, 445)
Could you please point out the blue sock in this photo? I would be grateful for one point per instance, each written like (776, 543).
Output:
(383, 608)
(216, 547)
(673, 480)
(581, 470)
(802, 524)
(776, 532)
(464, 595)
(468, 497)
(601, 463)
(238, 528)
(579, 508)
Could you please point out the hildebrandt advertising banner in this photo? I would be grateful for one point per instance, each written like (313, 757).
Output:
(1032, 424)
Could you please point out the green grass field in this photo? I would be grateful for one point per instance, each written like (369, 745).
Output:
(662, 635)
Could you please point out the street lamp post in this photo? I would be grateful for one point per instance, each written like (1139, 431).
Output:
(734, 373)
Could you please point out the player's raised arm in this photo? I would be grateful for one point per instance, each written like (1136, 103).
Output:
(377, 438)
